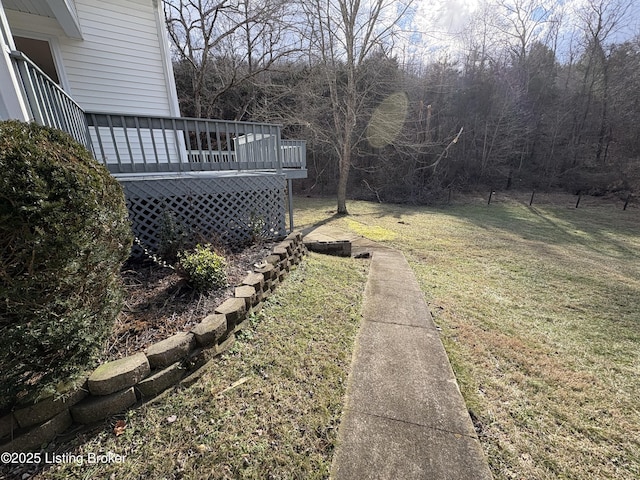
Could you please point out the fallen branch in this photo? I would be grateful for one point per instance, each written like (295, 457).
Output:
(235, 384)
(373, 190)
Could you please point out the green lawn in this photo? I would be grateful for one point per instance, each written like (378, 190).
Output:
(540, 315)
(539, 311)
(267, 409)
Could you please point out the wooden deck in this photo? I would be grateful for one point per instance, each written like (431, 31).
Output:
(151, 145)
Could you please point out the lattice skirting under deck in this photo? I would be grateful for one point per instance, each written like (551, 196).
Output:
(232, 208)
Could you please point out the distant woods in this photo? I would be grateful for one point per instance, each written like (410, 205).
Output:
(524, 97)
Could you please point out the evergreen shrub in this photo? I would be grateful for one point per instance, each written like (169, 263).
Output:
(204, 268)
(64, 235)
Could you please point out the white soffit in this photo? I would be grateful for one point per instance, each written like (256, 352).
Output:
(64, 11)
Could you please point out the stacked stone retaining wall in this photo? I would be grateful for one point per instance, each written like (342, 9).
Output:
(115, 386)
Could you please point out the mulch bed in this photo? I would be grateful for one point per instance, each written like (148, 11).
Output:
(159, 302)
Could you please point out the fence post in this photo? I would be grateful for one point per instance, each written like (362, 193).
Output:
(490, 195)
(532, 195)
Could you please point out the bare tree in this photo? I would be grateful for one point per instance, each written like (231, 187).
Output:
(522, 22)
(341, 35)
(600, 20)
(225, 43)
(335, 72)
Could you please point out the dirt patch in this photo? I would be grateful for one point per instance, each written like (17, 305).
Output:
(159, 302)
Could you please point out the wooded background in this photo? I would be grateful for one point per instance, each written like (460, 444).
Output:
(525, 94)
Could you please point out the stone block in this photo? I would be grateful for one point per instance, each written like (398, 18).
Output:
(273, 259)
(296, 237)
(198, 358)
(117, 375)
(47, 408)
(170, 350)
(288, 245)
(248, 294)
(280, 251)
(257, 307)
(234, 310)
(255, 280)
(210, 330)
(340, 248)
(93, 409)
(201, 356)
(225, 345)
(241, 326)
(266, 293)
(159, 381)
(268, 271)
(42, 434)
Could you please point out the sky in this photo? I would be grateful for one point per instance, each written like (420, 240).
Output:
(447, 26)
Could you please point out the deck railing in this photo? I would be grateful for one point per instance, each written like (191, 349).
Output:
(143, 144)
(294, 154)
(151, 144)
(48, 103)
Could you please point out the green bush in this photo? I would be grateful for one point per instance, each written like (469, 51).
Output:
(172, 238)
(64, 234)
(204, 268)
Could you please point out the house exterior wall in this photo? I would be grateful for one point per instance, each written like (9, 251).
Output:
(121, 64)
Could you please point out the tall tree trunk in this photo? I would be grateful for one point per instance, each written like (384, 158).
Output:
(602, 134)
(344, 167)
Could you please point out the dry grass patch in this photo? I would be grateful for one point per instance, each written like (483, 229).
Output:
(539, 315)
(268, 408)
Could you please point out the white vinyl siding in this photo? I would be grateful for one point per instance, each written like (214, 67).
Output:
(120, 54)
(118, 67)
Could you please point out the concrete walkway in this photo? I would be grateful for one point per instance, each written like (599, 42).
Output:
(404, 416)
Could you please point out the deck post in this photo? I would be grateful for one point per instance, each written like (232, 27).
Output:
(290, 195)
(12, 103)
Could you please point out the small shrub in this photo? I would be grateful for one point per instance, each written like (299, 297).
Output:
(257, 228)
(64, 234)
(172, 238)
(204, 268)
